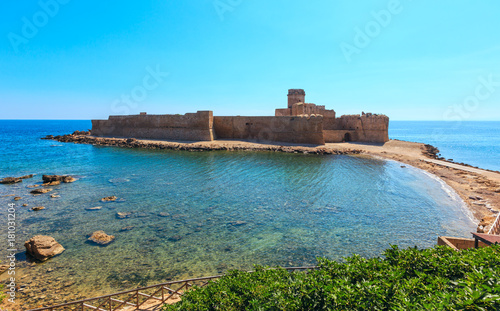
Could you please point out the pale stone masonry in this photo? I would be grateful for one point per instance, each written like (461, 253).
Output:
(301, 123)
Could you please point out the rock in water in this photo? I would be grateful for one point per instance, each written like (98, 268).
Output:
(238, 223)
(122, 215)
(175, 238)
(57, 178)
(100, 237)
(11, 180)
(43, 247)
(69, 179)
(96, 208)
(38, 208)
(41, 191)
(109, 199)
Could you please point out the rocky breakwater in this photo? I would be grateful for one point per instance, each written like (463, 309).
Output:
(85, 138)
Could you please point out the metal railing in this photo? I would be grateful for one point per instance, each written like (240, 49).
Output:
(495, 227)
(134, 299)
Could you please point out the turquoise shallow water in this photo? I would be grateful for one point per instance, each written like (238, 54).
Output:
(219, 210)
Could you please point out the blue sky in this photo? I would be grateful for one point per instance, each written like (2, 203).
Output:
(411, 60)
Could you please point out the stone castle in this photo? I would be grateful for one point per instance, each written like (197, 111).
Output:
(300, 123)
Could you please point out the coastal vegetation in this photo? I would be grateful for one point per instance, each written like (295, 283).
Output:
(439, 278)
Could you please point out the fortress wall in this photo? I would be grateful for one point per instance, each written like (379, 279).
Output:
(361, 128)
(191, 126)
(329, 123)
(299, 130)
(337, 136)
(283, 112)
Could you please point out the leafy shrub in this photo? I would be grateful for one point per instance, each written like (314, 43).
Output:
(431, 279)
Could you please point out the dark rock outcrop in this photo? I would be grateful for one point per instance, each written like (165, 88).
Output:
(134, 143)
(57, 178)
(41, 191)
(14, 180)
(43, 247)
(11, 180)
(109, 199)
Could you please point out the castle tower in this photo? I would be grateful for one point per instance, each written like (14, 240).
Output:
(296, 96)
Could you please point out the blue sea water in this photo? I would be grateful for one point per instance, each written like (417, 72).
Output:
(201, 213)
(474, 143)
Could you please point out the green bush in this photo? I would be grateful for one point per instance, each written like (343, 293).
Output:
(431, 279)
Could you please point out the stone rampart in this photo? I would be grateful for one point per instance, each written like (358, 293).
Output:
(362, 128)
(300, 130)
(191, 126)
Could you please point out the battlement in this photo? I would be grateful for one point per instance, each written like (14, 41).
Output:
(296, 92)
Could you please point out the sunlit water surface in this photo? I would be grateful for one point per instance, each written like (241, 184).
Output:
(202, 213)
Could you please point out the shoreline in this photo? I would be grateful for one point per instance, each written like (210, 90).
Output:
(478, 188)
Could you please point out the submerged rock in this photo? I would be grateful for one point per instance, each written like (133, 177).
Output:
(122, 215)
(43, 247)
(100, 237)
(109, 199)
(96, 208)
(175, 238)
(41, 191)
(238, 223)
(127, 228)
(163, 214)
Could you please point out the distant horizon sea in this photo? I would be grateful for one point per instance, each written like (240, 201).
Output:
(476, 143)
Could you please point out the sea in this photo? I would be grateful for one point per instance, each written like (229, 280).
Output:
(196, 214)
(476, 143)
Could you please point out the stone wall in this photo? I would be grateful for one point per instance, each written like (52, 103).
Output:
(191, 126)
(361, 128)
(300, 130)
(299, 109)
